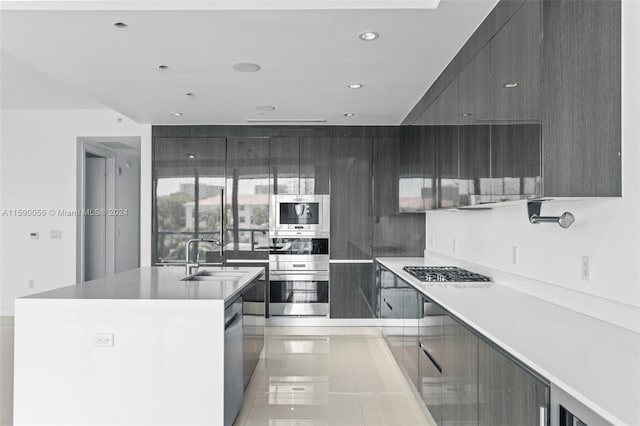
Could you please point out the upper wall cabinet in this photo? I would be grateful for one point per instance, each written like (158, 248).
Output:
(581, 129)
(537, 116)
(300, 165)
(515, 67)
(474, 134)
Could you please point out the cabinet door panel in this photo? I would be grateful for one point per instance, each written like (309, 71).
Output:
(582, 105)
(515, 161)
(284, 155)
(386, 163)
(315, 158)
(447, 164)
(516, 66)
(247, 199)
(474, 136)
(508, 394)
(351, 203)
(411, 170)
(351, 291)
(188, 176)
(459, 374)
(431, 355)
(411, 308)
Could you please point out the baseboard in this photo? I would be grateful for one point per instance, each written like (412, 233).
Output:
(321, 322)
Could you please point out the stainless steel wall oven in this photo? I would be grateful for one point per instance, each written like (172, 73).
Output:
(299, 276)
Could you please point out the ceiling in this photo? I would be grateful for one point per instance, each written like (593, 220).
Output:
(307, 58)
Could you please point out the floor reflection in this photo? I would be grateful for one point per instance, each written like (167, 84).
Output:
(329, 376)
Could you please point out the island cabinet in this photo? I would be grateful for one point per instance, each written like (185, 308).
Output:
(462, 377)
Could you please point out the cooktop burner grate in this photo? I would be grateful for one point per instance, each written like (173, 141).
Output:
(444, 274)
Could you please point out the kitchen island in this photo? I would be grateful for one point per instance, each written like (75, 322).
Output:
(139, 347)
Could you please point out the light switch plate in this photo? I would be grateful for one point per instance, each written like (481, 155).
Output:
(586, 268)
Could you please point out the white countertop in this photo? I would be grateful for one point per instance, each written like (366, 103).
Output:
(162, 283)
(596, 362)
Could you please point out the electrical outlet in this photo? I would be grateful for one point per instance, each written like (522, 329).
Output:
(586, 268)
(515, 255)
(34, 235)
(455, 244)
(55, 234)
(102, 339)
(31, 283)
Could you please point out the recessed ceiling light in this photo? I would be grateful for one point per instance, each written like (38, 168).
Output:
(246, 67)
(265, 108)
(511, 85)
(355, 86)
(190, 94)
(176, 114)
(368, 36)
(348, 114)
(162, 67)
(191, 155)
(120, 25)
(466, 114)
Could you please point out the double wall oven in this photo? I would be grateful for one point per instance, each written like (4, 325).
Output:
(299, 256)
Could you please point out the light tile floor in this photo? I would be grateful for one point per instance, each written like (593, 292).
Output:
(329, 376)
(306, 377)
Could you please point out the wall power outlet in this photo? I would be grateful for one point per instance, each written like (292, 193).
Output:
(102, 339)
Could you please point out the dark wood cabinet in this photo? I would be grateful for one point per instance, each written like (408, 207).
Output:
(515, 161)
(412, 312)
(431, 352)
(539, 103)
(188, 179)
(300, 165)
(463, 379)
(391, 305)
(352, 291)
(582, 90)
(315, 158)
(411, 171)
(508, 393)
(515, 67)
(475, 132)
(459, 373)
(351, 198)
(246, 203)
(284, 158)
(386, 163)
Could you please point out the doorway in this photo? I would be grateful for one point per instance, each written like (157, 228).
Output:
(95, 223)
(108, 193)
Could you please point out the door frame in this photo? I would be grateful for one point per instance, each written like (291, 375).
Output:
(85, 147)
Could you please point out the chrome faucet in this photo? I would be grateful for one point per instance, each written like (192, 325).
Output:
(190, 266)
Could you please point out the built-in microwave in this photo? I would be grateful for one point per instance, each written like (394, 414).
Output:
(299, 215)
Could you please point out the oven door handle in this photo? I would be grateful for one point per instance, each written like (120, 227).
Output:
(298, 276)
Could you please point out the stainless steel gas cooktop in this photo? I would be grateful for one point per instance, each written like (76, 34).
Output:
(444, 274)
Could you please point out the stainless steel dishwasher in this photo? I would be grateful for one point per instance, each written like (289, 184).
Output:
(233, 361)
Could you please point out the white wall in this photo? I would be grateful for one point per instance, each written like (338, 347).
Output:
(607, 230)
(38, 167)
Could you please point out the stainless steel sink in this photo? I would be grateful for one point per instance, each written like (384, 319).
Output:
(215, 275)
